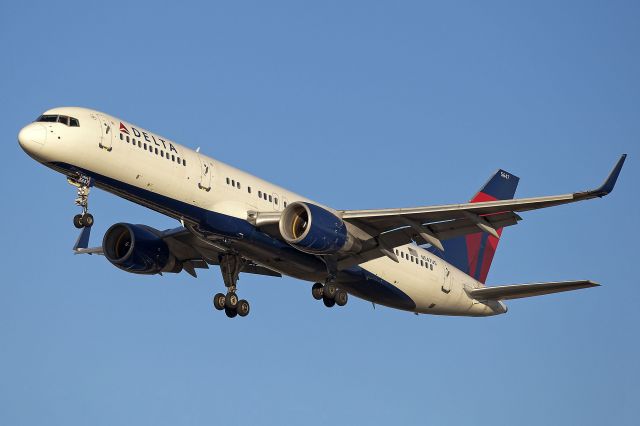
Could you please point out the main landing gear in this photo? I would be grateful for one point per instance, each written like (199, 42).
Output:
(83, 183)
(231, 265)
(329, 294)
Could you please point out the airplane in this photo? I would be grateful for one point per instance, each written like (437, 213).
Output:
(425, 260)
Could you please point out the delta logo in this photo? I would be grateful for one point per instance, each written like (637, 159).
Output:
(147, 137)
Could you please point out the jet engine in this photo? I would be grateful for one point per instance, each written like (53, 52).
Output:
(313, 229)
(138, 249)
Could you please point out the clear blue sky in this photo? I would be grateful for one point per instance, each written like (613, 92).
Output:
(357, 105)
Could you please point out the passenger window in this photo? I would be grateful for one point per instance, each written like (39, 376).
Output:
(249, 189)
(275, 200)
(233, 182)
(421, 263)
(76, 123)
(270, 199)
(127, 139)
(184, 162)
(121, 137)
(156, 151)
(145, 146)
(285, 204)
(161, 153)
(238, 185)
(431, 266)
(259, 194)
(140, 144)
(264, 196)
(228, 181)
(179, 162)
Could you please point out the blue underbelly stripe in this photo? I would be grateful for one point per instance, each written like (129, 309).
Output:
(356, 280)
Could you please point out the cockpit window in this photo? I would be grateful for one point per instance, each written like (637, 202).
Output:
(48, 118)
(64, 119)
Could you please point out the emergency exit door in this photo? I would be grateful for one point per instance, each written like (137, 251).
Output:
(206, 173)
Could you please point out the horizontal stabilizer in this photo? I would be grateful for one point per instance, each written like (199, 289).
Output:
(517, 291)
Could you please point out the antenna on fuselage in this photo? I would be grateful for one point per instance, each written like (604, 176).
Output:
(198, 149)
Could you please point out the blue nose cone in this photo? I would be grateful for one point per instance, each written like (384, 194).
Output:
(32, 137)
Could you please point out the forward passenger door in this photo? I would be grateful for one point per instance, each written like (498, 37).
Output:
(106, 133)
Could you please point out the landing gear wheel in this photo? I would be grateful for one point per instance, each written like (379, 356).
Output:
(329, 291)
(341, 297)
(243, 308)
(87, 220)
(231, 301)
(218, 301)
(328, 302)
(317, 290)
(77, 221)
(231, 313)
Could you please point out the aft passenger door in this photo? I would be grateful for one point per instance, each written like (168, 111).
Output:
(106, 133)
(446, 280)
(206, 173)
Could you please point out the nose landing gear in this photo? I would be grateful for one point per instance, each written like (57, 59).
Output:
(83, 183)
(329, 294)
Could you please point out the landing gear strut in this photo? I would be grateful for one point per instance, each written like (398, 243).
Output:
(83, 183)
(230, 266)
(329, 294)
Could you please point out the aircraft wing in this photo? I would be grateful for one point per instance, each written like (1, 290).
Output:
(435, 223)
(191, 251)
(518, 291)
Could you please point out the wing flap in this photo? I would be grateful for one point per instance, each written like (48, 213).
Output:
(518, 291)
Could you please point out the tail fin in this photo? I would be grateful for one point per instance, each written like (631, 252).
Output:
(473, 253)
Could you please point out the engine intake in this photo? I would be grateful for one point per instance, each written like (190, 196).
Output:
(313, 229)
(138, 249)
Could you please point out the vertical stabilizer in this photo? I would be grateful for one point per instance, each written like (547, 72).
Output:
(474, 253)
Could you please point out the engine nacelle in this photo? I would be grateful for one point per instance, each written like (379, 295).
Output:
(312, 229)
(138, 249)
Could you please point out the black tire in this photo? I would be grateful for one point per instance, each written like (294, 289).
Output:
(328, 302)
(87, 220)
(317, 290)
(218, 301)
(243, 308)
(329, 291)
(341, 297)
(231, 313)
(231, 301)
(77, 221)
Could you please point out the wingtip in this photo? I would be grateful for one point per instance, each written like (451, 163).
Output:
(611, 180)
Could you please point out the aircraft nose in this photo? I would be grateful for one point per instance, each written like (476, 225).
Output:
(32, 137)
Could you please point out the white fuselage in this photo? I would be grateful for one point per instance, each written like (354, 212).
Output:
(156, 172)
